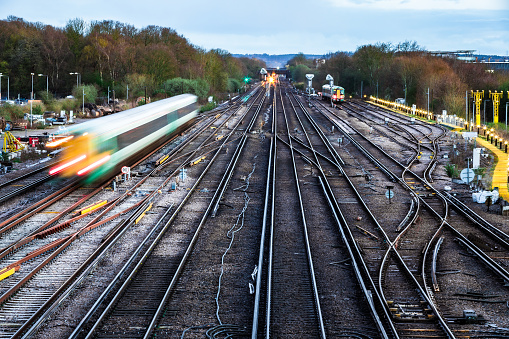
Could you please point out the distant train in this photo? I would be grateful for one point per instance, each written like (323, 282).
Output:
(336, 94)
(102, 146)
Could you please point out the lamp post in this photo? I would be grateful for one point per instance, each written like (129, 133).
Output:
(77, 77)
(32, 93)
(8, 94)
(42, 75)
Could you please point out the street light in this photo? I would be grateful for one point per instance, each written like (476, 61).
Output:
(1, 74)
(32, 93)
(42, 75)
(77, 77)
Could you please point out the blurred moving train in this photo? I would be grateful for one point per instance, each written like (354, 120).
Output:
(102, 146)
(336, 94)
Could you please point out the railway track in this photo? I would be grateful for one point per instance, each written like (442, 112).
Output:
(266, 219)
(173, 249)
(46, 252)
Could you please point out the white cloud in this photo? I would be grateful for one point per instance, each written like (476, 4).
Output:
(422, 4)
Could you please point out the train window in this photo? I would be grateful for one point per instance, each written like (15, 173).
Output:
(106, 145)
(187, 109)
(129, 137)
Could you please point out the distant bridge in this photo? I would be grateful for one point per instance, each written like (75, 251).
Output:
(280, 71)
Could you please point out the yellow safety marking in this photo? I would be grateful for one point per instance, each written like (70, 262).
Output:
(143, 214)
(195, 161)
(92, 207)
(163, 158)
(7, 273)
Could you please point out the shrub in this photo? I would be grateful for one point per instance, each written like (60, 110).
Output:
(68, 104)
(452, 171)
(207, 107)
(11, 112)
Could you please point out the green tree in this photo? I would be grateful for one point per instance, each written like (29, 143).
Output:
(90, 93)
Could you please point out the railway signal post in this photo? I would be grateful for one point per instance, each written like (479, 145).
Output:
(477, 95)
(496, 96)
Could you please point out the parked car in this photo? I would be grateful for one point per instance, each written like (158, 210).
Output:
(60, 121)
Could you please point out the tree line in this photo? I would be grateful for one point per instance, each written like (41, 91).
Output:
(403, 70)
(111, 55)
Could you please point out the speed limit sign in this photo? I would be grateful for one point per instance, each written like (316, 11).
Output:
(126, 170)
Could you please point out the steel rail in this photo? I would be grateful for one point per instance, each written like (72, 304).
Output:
(337, 211)
(393, 249)
(366, 153)
(434, 280)
(320, 133)
(32, 324)
(94, 223)
(305, 229)
(494, 266)
(355, 256)
(37, 207)
(270, 267)
(26, 175)
(187, 254)
(477, 219)
(182, 203)
(233, 162)
(260, 266)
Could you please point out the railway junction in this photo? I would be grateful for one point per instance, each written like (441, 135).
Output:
(276, 215)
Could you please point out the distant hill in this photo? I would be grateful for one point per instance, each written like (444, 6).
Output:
(280, 60)
(273, 60)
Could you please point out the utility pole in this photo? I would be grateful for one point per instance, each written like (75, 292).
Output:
(428, 101)
(466, 107)
(42, 75)
(32, 93)
(405, 92)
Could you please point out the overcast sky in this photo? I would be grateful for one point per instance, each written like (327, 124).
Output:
(281, 27)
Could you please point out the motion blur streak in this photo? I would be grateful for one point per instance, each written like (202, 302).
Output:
(67, 164)
(94, 165)
(59, 141)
